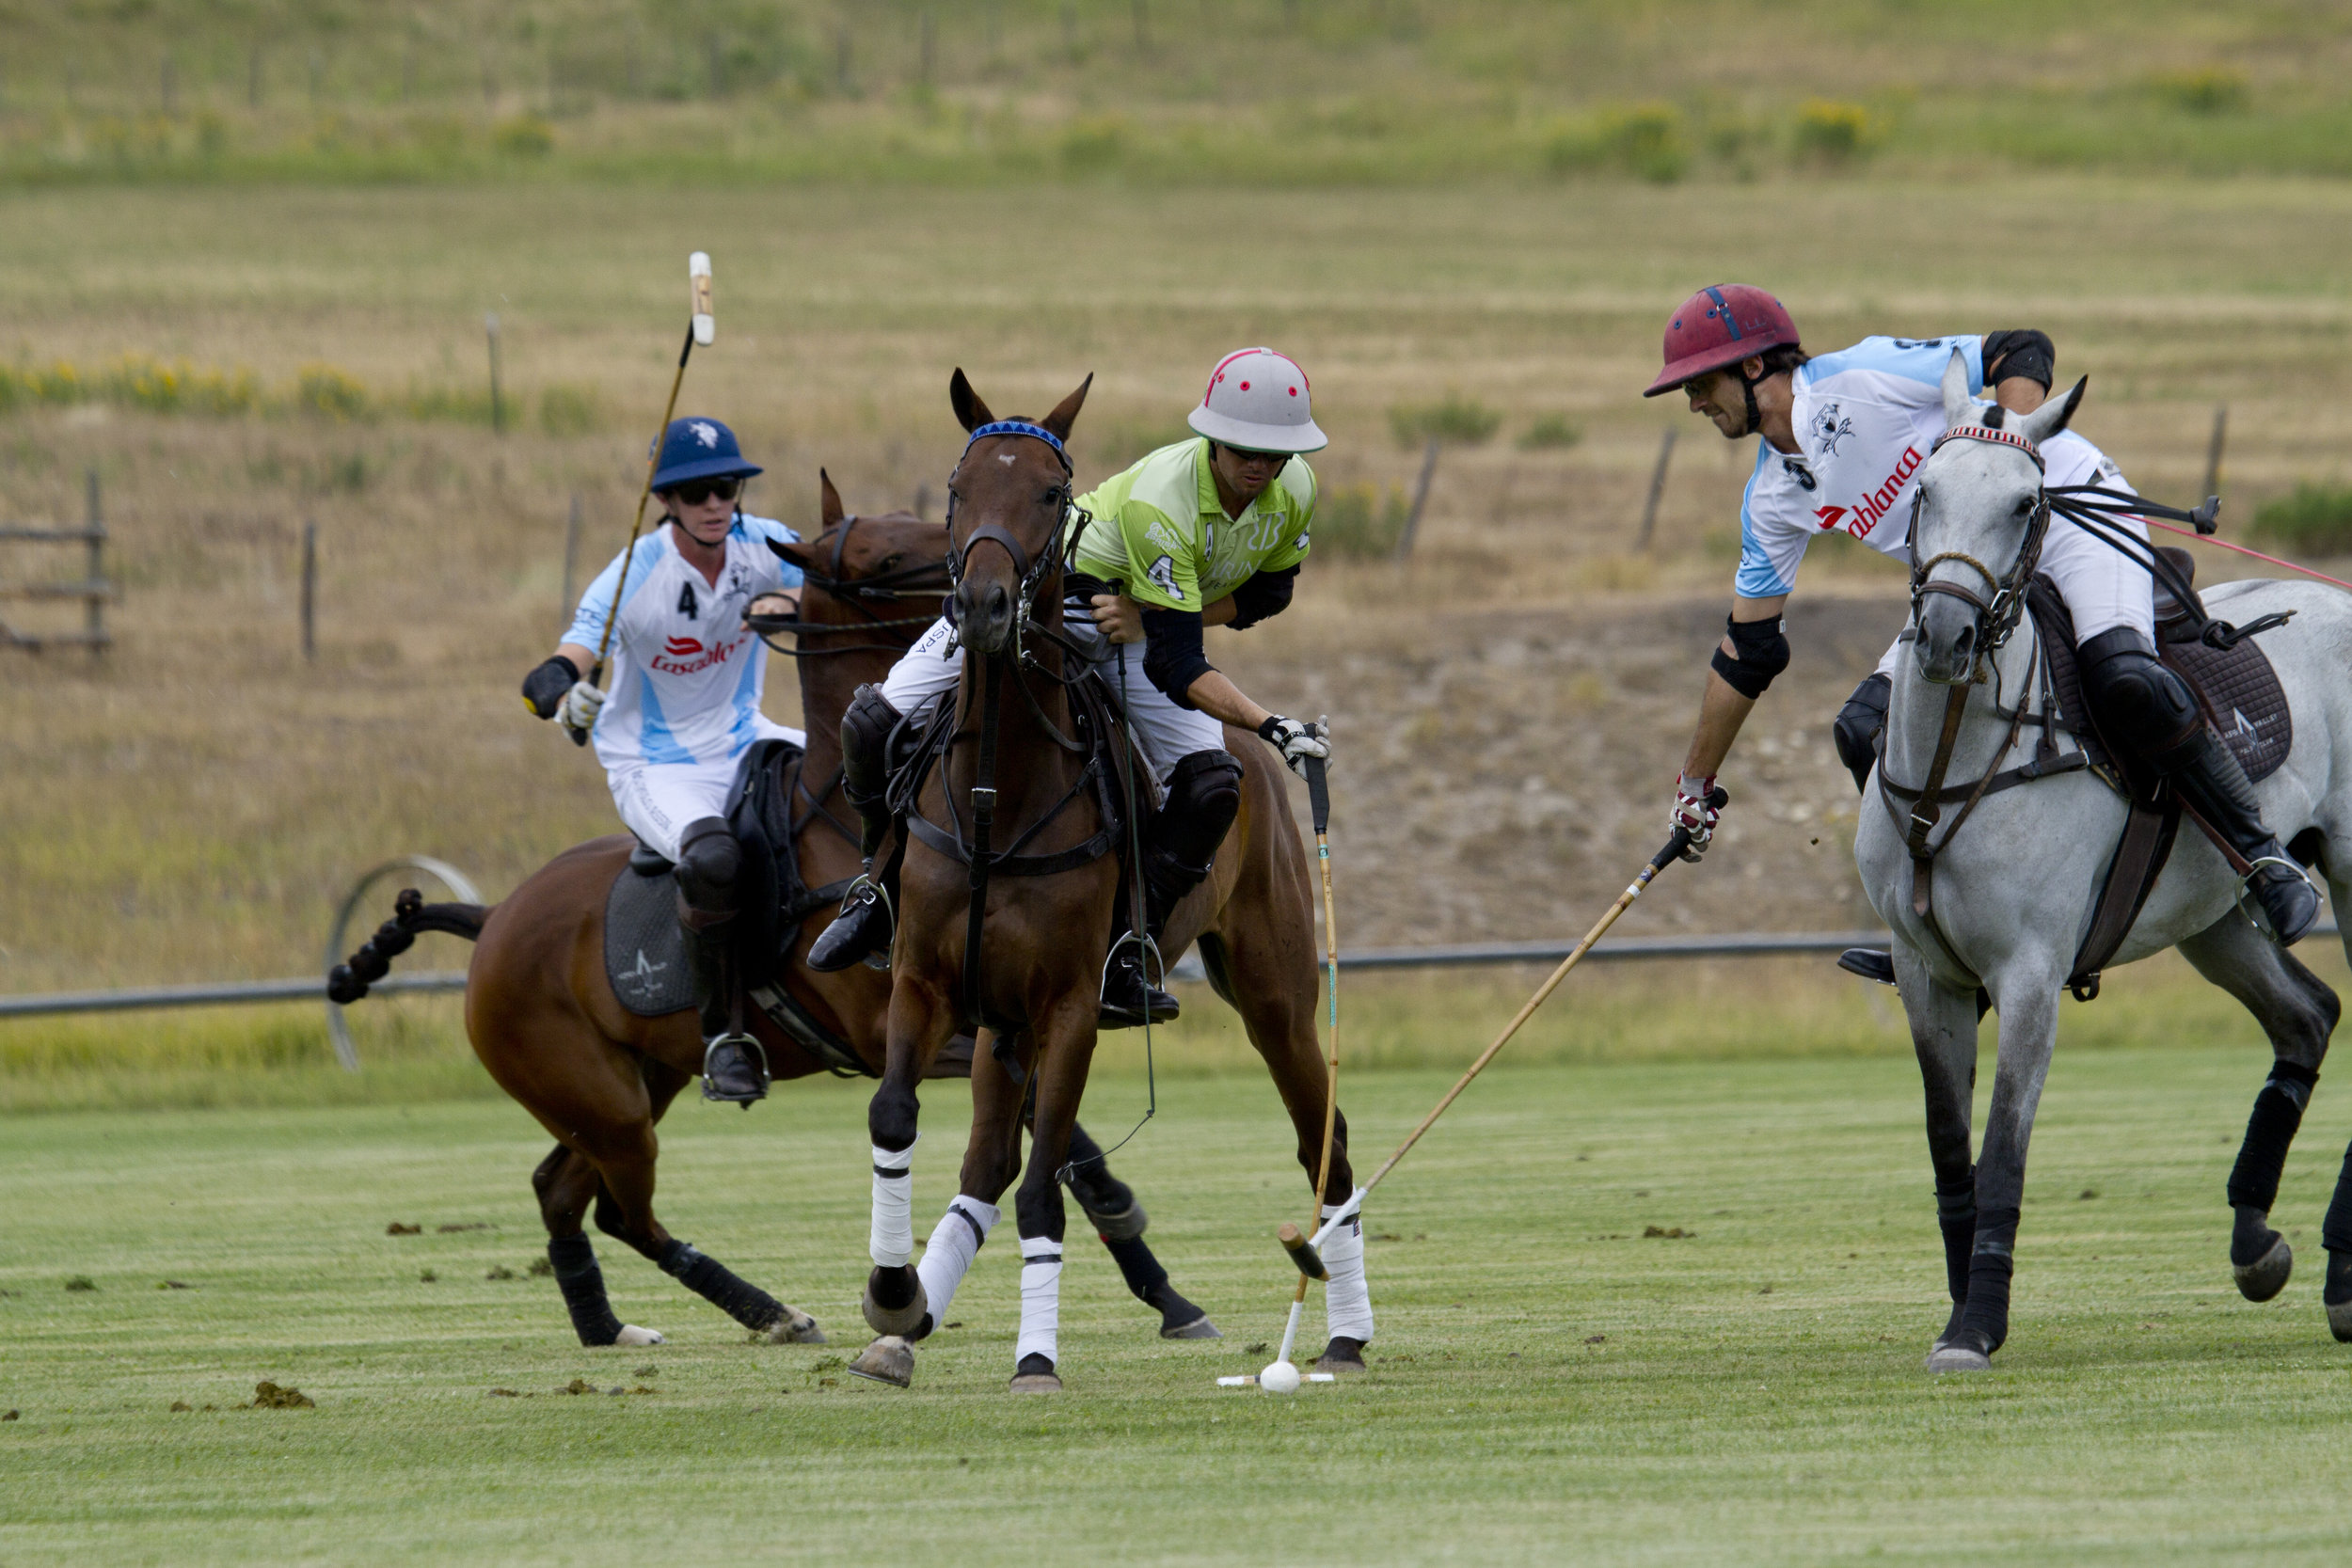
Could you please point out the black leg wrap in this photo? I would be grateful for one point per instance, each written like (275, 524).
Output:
(583, 1284)
(2278, 1112)
(1956, 1216)
(1985, 1323)
(2335, 1231)
(712, 1280)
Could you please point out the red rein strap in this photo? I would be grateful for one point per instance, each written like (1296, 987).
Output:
(2202, 539)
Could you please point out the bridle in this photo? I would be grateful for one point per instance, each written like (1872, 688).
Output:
(1032, 574)
(1996, 617)
(918, 581)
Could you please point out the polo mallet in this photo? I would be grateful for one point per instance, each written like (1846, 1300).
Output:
(704, 329)
(1319, 802)
(1302, 1249)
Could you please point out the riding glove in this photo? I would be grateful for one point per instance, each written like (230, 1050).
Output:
(1295, 739)
(544, 688)
(1694, 813)
(580, 706)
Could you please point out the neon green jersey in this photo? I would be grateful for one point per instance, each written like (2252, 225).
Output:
(1160, 528)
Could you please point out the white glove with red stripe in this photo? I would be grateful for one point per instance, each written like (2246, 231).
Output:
(1694, 813)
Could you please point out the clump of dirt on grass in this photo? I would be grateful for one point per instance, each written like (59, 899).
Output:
(452, 1229)
(426, 1277)
(269, 1396)
(175, 1285)
(81, 1282)
(181, 1407)
(500, 1271)
(578, 1385)
(540, 1268)
(1669, 1233)
(396, 1228)
(9, 1415)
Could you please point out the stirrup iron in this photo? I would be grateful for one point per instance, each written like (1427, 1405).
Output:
(755, 1055)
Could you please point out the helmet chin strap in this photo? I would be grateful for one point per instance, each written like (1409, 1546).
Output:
(1756, 414)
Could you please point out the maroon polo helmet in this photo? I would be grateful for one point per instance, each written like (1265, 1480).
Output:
(1720, 325)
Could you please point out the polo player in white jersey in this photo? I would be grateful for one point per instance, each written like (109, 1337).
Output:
(1839, 438)
(684, 704)
(1204, 533)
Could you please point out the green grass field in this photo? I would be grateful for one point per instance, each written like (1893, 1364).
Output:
(1548, 1384)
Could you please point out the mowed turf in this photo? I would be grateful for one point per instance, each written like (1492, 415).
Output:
(1550, 1383)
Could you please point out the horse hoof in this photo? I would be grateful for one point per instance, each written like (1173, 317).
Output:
(894, 1321)
(632, 1335)
(1342, 1355)
(2266, 1276)
(795, 1327)
(888, 1360)
(1958, 1358)
(1035, 1382)
(2340, 1322)
(1200, 1328)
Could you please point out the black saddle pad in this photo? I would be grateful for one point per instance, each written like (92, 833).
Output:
(2238, 688)
(644, 954)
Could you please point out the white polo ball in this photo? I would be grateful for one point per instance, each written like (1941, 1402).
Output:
(1279, 1377)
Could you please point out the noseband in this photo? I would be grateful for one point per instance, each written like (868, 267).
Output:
(1996, 617)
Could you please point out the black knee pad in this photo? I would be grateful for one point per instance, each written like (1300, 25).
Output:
(1856, 731)
(866, 727)
(1203, 798)
(2141, 705)
(709, 861)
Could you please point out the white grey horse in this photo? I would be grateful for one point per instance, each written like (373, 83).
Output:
(2013, 890)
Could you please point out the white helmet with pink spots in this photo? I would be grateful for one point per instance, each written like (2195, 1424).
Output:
(1258, 400)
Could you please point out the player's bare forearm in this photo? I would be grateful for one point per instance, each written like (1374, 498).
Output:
(583, 659)
(1218, 613)
(1722, 711)
(1220, 699)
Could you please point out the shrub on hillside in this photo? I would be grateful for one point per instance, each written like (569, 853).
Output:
(323, 389)
(2316, 520)
(1551, 433)
(1646, 139)
(1361, 522)
(1453, 418)
(524, 136)
(2214, 89)
(1834, 133)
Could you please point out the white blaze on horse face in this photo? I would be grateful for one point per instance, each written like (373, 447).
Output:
(1006, 458)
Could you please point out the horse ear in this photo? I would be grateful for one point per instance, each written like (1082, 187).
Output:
(968, 407)
(1959, 407)
(2053, 416)
(829, 509)
(794, 553)
(1065, 413)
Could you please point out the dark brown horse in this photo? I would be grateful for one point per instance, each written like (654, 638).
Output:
(544, 1021)
(1045, 922)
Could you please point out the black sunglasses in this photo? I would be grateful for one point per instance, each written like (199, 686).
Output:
(696, 491)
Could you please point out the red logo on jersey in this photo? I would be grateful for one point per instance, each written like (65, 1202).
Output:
(1871, 509)
(683, 655)
(681, 647)
(1829, 514)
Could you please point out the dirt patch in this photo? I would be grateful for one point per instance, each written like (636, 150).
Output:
(81, 1282)
(175, 1285)
(500, 1271)
(578, 1385)
(1668, 1234)
(181, 1407)
(396, 1228)
(453, 1229)
(540, 1268)
(270, 1396)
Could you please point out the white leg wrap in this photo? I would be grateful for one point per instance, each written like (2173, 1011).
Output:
(955, 1242)
(1347, 1299)
(1041, 1299)
(890, 1242)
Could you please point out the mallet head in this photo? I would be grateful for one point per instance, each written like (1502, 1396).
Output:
(1302, 1252)
(698, 280)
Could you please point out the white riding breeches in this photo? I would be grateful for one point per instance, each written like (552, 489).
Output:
(658, 800)
(2103, 589)
(1169, 734)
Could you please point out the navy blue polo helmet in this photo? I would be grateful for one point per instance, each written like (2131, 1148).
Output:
(699, 449)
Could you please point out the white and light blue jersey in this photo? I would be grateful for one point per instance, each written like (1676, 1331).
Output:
(687, 674)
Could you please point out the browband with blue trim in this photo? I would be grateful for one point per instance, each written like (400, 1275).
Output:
(1020, 427)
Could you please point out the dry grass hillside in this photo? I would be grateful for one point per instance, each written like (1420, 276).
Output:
(1510, 702)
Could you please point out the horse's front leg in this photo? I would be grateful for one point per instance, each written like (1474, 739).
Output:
(2026, 993)
(921, 1021)
(1065, 1054)
(990, 1159)
(1943, 1033)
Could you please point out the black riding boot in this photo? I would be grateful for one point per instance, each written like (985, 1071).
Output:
(2215, 785)
(863, 928)
(1179, 850)
(735, 1068)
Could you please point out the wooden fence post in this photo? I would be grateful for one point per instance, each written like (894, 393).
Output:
(94, 616)
(309, 589)
(1421, 498)
(1656, 487)
(498, 408)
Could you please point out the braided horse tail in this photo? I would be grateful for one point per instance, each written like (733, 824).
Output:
(347, 982)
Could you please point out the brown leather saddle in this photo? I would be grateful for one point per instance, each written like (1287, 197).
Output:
(2242, 699)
